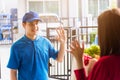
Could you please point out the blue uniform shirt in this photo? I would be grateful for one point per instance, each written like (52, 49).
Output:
(31, 58)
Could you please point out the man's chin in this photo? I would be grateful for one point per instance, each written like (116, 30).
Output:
(34, 34)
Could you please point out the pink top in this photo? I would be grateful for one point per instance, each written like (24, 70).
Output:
(107, 68)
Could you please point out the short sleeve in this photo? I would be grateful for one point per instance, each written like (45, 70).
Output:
(53, 53)
(14, 59)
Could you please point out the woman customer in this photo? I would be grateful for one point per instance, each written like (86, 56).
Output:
(108, 66)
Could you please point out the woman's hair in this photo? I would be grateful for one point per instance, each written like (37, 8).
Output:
(109, 32)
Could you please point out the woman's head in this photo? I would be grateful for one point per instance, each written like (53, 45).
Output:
(109, 32)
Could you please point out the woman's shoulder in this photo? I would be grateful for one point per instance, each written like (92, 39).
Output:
(108, 60)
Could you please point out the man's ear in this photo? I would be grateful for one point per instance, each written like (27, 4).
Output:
(23, 24)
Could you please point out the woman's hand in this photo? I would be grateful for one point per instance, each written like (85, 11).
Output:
(77, 51)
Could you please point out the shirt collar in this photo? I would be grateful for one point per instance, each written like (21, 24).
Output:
(26, 38)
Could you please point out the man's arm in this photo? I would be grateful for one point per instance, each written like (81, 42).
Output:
(61, 52)
(13, 74)
(62, 39)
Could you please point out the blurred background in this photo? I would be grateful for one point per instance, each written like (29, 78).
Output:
(77, 17)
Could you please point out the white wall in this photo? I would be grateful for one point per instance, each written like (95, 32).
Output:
(83, 11)
(73, 13)
(73, 8)
(64, 8)
(6, 5)
(21, 11)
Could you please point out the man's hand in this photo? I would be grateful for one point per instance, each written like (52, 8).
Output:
(62, 39)
(61, 35)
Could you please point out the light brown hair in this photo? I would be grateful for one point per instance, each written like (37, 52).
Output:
(109, 32)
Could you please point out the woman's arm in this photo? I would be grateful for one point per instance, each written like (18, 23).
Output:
(77, 50)
(80, 74)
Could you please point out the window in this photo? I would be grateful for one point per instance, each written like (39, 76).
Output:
(93, 7)
(97, 6)
(44, 6)
(36, 6)
(103, 5)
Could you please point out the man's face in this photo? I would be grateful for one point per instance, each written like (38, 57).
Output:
(31, 28)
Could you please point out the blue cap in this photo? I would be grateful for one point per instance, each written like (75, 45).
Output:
(30, 16)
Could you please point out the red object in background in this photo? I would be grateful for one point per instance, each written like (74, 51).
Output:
(86, 59)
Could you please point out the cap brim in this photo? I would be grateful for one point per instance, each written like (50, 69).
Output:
(34, 19)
